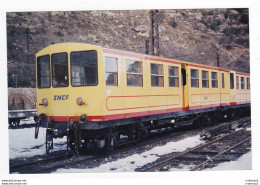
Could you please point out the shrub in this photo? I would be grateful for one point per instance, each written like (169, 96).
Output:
(173, 22)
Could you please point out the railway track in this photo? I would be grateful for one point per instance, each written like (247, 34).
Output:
(221, 149)
(47, 165)
(65, 161)
(30, 165)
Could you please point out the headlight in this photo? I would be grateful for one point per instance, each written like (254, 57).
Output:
(44, 102)
(80, 101)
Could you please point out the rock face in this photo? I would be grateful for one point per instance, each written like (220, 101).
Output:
(199, 36)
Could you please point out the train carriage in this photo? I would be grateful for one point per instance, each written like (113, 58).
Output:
(93, 95)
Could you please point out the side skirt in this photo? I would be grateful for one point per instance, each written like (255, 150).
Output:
(120, 122)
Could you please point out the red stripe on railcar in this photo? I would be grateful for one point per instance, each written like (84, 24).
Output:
(242, 74)
(208, 67)
(139, 114)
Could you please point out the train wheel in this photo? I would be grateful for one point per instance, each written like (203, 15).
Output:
(205, 120)
(110, 143)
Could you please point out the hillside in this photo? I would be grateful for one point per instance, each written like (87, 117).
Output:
(200, 36)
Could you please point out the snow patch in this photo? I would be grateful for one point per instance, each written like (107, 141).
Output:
(243, 163)
(23, 144)
(130, 163)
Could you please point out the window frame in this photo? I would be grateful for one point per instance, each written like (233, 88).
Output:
(50, 77)
(157, 75)
(247, 83)
(97, 81)
(242, 82)
(178, 77)
(53, 70)
(237, 82)
(192, 78)
(114, 85)
(223, 80)
(214, 80)
(130, 73)
(204, 79)
(232, 83)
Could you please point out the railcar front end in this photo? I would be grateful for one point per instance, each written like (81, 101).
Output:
(68, 88)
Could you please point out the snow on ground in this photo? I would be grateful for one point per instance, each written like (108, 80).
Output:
(23, 144)
(130, 163)
(182, 168)
(242, 163)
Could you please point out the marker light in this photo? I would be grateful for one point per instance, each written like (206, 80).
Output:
(44, 102)
(80, 101)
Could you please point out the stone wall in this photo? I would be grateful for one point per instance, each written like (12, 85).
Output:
(21, 98)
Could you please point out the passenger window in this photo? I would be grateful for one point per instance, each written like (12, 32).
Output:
(223, 80)
(248, 83)
(205, 79)
(157, 75)
(237, 82)
(194, 78)
(214, 79)
(59, 70)
(111, 71)
(43, 71)
(231, 81)
(242, 82)
(84, 71)
(134, 73)
(173, 76)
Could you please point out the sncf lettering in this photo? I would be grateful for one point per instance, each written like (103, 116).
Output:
(60, 97)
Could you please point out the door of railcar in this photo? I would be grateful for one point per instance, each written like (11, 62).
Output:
(224, 87)
(185, 86)
(233, 83)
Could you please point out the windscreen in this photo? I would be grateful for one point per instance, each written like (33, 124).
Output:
(43, 71)
(84, 68)
(59, 70)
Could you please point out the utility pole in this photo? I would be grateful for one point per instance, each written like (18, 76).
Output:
(217, 54)
(147, 47)
(27, 44)
(154, 33)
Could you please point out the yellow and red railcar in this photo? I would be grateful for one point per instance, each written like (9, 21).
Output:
(93, 95)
